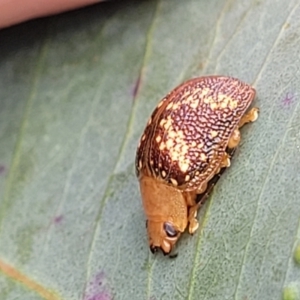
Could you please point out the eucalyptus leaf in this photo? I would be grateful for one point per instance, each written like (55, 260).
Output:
(76, 91)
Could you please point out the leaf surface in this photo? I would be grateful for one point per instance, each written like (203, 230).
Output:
(76, 91)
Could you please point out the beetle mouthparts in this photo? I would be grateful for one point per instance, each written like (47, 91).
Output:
(154, 249)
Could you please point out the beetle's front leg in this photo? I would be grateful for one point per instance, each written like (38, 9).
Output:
(193, 206)
(192, 218)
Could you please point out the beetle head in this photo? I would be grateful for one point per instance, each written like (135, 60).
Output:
(166, 211)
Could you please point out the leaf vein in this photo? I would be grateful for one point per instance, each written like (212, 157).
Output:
(23, 125)
(273, 45)
(124, 142)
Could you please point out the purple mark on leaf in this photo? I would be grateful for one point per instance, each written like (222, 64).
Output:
(136, 87)
(98, 279)
(100, 296)
(2, 169)
(58, 219)
(288, 99)
(97, 288)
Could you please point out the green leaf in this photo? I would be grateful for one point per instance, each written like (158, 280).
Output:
(76, 91)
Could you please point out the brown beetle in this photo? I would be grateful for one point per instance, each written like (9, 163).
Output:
(185, 145)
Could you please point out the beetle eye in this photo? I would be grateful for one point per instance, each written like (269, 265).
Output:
(170, 230)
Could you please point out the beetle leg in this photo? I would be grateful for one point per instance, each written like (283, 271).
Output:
(235, 138)
(190, 198)
(202, 188)
(196, 204)
(225, 163)
(250, 116)
(192, 217)
(191, 202)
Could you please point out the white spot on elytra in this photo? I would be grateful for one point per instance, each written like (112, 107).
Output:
(158, 139)
(174, 182)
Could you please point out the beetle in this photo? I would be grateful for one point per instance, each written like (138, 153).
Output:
(186, 145)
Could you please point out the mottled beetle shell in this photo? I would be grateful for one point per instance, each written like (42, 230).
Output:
(188, 132)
